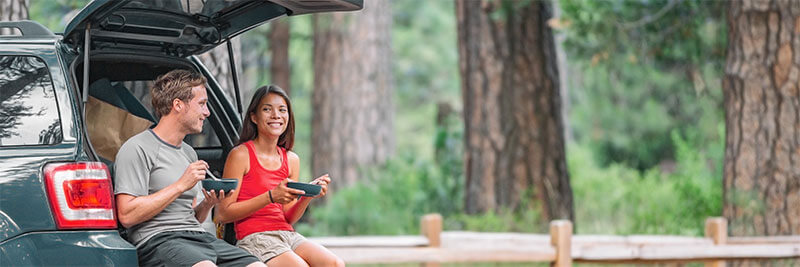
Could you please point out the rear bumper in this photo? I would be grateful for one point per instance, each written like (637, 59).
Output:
(68, 248)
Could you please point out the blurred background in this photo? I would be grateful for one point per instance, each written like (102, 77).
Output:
(504, 115)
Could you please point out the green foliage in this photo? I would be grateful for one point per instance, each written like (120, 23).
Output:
(425, 59)
(53, 13)
(504, 220)
(619, 200)
(399, 193)
(390, 202)
(396, 195)
(646, 68)
(615, 199)
(665, 33)
(626, 113)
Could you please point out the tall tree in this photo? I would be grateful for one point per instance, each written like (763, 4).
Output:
(512, 108)
(762, 114)
(11, 10)
(278, 39)
(352, 118)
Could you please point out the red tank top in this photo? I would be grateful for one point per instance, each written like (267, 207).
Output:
(257, 181)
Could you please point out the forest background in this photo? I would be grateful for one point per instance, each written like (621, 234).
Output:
(641, 102)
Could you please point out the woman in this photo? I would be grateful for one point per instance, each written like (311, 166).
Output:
(264, 208)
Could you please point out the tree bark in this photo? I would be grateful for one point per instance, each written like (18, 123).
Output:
(762, 116)
(514, 139)
(278, 40)
(352, 118)
(13, 10)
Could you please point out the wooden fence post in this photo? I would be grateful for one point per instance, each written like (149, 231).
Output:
(431, 228)
(561, 239)
(431, 225)
(717, 230)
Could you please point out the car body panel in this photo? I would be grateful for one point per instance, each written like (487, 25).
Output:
(20, 175)
(68, 248)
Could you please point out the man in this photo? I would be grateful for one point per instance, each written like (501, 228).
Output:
(156, 183)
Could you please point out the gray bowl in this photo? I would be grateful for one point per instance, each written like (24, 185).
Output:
(310, 189)
(227, 184)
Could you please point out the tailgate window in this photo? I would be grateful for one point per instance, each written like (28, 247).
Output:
(28, 109)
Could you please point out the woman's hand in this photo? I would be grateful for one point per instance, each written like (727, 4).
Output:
(322, 181)
(283, 194)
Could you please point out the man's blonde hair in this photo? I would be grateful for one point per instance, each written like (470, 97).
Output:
(171, 85)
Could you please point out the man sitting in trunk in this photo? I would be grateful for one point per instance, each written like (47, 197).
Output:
(156, 183)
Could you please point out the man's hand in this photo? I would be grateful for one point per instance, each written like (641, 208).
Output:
(213, 199)
(193, 174)
(283, 194)
(322, 181)
(209, 201)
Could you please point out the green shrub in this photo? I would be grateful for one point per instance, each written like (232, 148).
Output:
(390, 200)
(615, 199)
(621, 200)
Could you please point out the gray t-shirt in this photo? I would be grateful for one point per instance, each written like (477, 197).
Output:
(146, 164)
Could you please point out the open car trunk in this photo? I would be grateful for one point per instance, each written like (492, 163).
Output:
(118, 106)
(132, 42)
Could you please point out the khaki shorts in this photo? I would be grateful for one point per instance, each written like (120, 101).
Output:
(269, 244)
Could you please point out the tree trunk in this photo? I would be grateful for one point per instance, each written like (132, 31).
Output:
(13, 10)
(278, 40)
(514, 139)
(352, 118)
(762, 117)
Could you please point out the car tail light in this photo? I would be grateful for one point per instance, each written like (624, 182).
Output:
(80, 195)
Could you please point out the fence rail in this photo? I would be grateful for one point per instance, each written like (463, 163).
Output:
(559, 247)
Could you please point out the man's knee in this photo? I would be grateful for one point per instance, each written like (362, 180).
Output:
(333, 261)
(257, 264)
(338, 262)
(205, 263)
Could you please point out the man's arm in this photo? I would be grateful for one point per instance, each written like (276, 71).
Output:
(132, 210)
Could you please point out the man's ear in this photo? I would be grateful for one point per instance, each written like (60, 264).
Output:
(177, 105)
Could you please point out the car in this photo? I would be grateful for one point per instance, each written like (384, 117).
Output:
(68, 101)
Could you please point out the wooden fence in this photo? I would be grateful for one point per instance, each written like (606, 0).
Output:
(560, 247)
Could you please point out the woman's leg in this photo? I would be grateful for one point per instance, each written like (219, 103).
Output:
(288, 258)
(317, 255)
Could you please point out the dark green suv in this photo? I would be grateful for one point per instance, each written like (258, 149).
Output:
(68, 101)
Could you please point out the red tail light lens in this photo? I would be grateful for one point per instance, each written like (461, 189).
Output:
(80, 195)
(88, 194)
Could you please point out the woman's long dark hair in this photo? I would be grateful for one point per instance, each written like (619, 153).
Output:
(249, 129)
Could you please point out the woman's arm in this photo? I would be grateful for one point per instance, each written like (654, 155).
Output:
(297, 208)
(236, 165)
